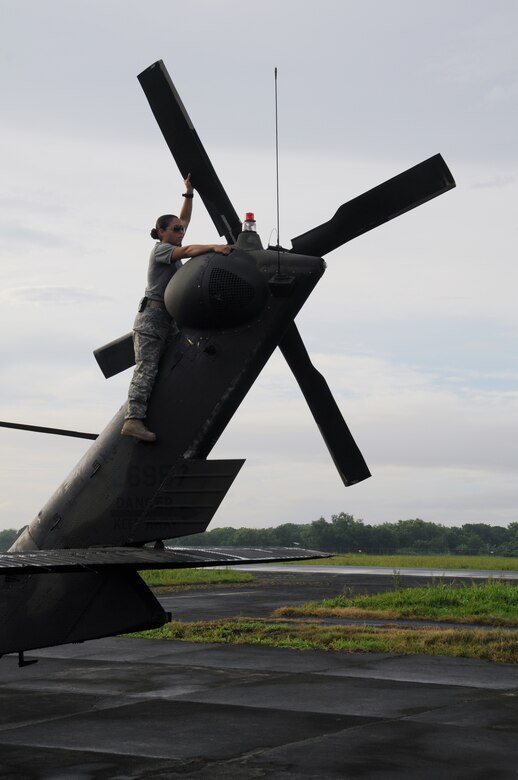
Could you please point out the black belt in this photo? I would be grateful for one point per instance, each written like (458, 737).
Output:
(156, 304)
(152, 304)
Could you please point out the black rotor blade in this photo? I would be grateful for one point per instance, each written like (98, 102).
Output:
(377, 206)
(187, 149)
(42, 429)
(337, 436)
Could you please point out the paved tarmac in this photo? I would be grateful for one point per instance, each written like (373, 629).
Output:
(471, 574)
(129, 708)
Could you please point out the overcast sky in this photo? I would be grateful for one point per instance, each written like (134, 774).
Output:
(414, 325)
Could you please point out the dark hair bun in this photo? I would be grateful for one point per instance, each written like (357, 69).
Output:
(154, 234)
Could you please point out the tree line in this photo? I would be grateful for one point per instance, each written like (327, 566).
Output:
(7, 537)
(344, 534)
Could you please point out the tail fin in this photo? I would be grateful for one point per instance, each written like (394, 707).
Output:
(41, 610)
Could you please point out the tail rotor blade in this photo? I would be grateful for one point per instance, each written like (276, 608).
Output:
(337, 436)
(187, 149)
(402, 193)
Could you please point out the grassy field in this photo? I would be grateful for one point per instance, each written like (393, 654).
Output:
(168, 578)
(492, 645)
(493, 603)
(420, 561)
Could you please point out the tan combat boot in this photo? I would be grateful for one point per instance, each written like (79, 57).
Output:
(138, 430)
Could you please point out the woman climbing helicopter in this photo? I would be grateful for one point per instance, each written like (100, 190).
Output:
(153, 326)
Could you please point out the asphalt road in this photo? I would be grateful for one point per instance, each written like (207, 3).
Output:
(129, 708)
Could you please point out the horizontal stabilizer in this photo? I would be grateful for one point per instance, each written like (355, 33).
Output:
(116, 356)
(103, 559)
(185, 503)
(402, 193)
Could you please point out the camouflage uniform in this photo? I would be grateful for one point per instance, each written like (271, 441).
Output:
(153, 329)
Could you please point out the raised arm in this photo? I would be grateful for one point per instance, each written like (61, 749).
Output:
(193, 250)
(188, 195)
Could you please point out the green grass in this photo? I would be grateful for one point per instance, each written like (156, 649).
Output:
(419, 561)
(492, 645)
(168, 578)
(494, 603)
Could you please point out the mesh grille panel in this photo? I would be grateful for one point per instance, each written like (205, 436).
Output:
(226, 290)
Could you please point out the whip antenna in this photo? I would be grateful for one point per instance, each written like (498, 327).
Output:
(277, 176)
(280, 284)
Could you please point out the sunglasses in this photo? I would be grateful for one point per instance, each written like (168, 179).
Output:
(179, 229)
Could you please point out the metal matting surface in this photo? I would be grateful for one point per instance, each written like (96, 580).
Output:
(103, 558)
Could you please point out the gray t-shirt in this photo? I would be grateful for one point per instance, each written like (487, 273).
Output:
(160, 270)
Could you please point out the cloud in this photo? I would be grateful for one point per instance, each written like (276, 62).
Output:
(500, 180)
(64, 295)
(19, 237)
(504, 92)
(414, 325)
(400, 417)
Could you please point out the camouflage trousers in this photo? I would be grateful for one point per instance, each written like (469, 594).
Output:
(153, 330)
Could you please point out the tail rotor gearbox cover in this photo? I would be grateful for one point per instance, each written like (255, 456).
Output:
(215, 290)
